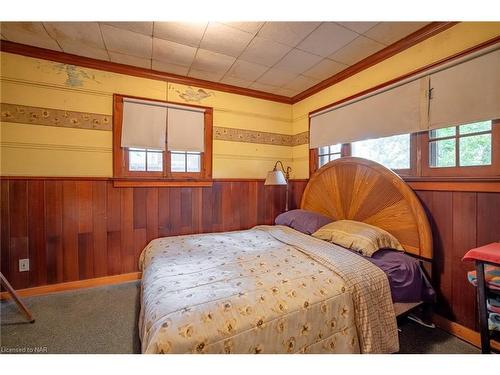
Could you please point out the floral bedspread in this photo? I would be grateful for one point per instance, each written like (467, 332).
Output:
(269, 289)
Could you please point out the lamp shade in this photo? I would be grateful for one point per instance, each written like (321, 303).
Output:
(275, 178)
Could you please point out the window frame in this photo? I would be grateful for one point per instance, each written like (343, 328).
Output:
(467, 170)
(121, 154)
(419, 159)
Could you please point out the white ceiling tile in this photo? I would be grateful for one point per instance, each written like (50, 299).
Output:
(289, 33)
(86, 33)
(82, 49)
(357, 50)
(208, 76)
(246, 70)
(189, 33)
(30, 33)
(276, 77)
(324, 69)
(213, 62)
(250, 27)
(224, 39)
(285, 92)
(235, 81)
(301, 83)
(390, 32)
(297, 61)
(127, 42)
(145, 28)
(264, 51)
(262, 87)
(171, 52)
(359, 27)
(170, 68)
(130, 60)
(326, 39)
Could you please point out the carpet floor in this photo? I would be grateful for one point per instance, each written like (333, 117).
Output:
(104, 320)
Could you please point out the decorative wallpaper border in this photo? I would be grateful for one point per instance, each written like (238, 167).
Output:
(54, 117)
(85, 120)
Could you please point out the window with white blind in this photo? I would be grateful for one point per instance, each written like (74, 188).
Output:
(161, 140)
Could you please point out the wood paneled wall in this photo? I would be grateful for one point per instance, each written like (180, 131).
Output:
(460, 221)
(80, 229)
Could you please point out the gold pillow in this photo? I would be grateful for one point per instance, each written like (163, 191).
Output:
(361, 237)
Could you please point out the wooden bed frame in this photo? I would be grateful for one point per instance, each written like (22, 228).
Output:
(359, 189)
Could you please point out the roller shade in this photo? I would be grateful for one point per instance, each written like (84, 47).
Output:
(398, 110)
(144, 125)
(466, 93)
(186, 130)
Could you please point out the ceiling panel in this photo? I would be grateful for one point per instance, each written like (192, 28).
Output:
(246, 70)
(224, 39)
(324, 69)
(171, 52)
(262, 87)
(213, 62)
(163, 66)
(390, 32)
(289, 33)
(297, 61)
(357, 50)
(127, 42)
(250, 27)
(202, 74)
(83, 49)
(300, 83)
(276, 77)
(189, 33)
(264, 51)
(85, 33)
(31, 33)
(130, 60)
(145, 28)
(359, 27)
(235, 81)
(326, 39)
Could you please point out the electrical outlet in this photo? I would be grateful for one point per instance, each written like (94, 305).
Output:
(24, 265)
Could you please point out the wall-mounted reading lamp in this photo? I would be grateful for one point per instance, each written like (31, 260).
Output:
(279, 177)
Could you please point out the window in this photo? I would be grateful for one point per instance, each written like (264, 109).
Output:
(464, 146)
(393, 152)
(328, 153)
(161, 162)
(462, 151)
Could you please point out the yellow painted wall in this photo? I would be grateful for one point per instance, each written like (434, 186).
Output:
(52, 151)
(447, 43)
(35, 150)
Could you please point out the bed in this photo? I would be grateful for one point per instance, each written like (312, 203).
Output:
(271, 289)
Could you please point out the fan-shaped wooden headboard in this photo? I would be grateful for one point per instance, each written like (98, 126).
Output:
(362, 190)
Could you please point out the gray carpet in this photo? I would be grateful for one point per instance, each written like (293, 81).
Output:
(104, 320)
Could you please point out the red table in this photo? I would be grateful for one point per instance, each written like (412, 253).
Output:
(488, 254)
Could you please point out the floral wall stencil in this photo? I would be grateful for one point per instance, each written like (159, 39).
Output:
(194, 95)
(75, 76)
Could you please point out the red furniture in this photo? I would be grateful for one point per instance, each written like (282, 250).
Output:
(488, 254)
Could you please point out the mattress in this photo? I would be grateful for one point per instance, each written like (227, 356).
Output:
(269, 289)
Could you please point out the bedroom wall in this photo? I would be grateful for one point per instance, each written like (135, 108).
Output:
(56, 121)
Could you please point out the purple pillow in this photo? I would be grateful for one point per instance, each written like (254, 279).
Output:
(304, 221)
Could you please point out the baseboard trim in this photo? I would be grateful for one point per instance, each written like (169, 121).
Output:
(72, 285)
(462, 332)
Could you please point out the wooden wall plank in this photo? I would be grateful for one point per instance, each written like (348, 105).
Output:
(464, 238)
(164, 216)
(152, 209)
(54, 231)
(127, 251)
(99, 229)
(4, 229)
(36, 233)
(18, 225)
(488, 218)
(70, 230)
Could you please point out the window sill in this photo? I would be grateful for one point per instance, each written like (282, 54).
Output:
(161, 183)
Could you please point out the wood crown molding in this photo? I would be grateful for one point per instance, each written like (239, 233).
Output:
(410, 40)
(87, 62)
